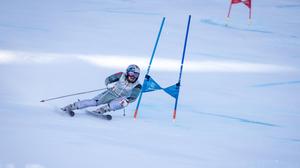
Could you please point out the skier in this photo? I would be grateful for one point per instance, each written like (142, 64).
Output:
(126, 89)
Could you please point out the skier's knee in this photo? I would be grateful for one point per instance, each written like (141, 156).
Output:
(116, 104)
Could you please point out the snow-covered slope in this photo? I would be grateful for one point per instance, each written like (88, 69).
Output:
(239, 101)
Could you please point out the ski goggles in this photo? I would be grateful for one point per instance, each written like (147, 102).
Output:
(133, 74)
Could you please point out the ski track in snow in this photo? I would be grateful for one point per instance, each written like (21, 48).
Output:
(223, 25)
(113, 11)
(22, 28)
(288, 6)
(296, 82)
(210, 22)
(242, 120)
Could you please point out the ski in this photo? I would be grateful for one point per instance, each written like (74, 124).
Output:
(102, 116)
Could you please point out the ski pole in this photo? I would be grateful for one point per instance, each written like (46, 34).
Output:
(124, 111)
(54, 98)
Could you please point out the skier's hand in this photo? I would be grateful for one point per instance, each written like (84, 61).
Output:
(124, 102)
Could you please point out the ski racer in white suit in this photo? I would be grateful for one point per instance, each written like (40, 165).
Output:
(126, 90)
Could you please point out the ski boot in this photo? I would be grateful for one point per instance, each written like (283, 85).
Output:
(69, 109)
(103, 109)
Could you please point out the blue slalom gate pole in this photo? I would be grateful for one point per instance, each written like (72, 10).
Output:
(150, 63)
(181, 67)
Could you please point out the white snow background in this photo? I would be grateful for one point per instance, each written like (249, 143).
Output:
(238, 104)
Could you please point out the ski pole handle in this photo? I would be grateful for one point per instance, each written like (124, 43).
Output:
(55, 98)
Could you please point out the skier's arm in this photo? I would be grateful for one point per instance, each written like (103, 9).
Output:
(135, 93)
(113, 78)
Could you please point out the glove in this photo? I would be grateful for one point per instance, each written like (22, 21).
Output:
(124, 102)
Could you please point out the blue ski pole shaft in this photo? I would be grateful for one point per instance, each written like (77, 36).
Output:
(181, 67)
(150, 63)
